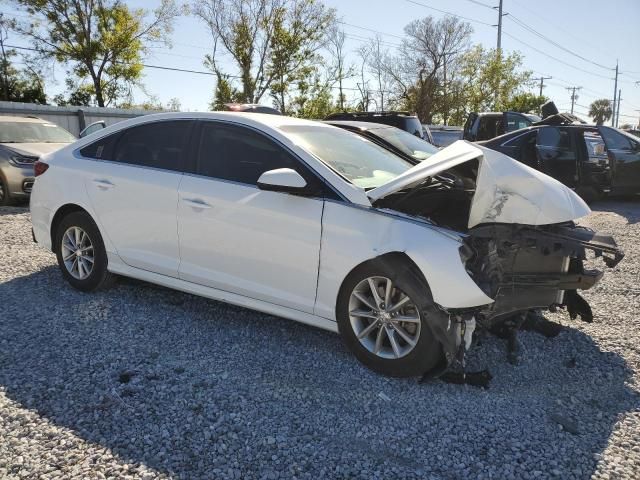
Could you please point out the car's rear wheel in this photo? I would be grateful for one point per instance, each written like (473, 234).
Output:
(383, 317)
(81, 255)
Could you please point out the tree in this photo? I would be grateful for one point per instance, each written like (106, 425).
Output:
(422, 70)
(600, 110)
(224, 93)
(491, 81)
(270, 41)
(18, 85)
(378, 63)
(340, 68)
(313, 99)
(77, 95)
(299, 31)
(102, 40)
(174, 105)
(526, 102)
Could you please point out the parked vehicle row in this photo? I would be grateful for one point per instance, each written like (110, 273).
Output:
(402, 249)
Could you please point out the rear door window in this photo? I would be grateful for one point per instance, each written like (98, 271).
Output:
(159, 145)
(555, 138)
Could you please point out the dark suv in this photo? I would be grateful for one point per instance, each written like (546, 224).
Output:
(402, 120)
(487, 125)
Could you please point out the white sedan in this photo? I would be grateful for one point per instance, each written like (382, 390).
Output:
(310, 222)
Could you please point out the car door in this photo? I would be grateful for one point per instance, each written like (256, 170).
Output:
(132, 184)
(237, 238)
(624, 157)
(556, 154)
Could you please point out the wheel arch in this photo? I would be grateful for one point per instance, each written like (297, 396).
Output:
(394, 257)
(62, 212)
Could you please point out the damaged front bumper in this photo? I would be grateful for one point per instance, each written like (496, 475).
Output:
(523, 267)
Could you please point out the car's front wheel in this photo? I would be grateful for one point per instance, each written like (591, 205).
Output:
(81, 255)
(382, 315)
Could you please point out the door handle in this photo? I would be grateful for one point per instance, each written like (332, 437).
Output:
(196, 203)
(103, 184)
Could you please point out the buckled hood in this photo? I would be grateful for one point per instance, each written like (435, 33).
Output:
(507, 191)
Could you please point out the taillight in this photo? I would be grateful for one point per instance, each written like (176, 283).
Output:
(39, 168)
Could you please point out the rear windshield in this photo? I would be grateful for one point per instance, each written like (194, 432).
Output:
(406, 143)
(33, 132)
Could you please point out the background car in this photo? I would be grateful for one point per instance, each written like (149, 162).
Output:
(593, 160)
(22, 141)
(445, 135)
(398, 141)
(486, 125)
(402, 120)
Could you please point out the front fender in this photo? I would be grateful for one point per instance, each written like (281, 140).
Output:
(352, 235)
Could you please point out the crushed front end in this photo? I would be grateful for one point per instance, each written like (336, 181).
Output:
(525, 267)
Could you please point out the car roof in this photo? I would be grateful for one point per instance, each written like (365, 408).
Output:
(359, 124)
(13, 118)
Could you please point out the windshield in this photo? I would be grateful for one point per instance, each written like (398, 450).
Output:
(406, 143)
(33, 132)
(360, 161)
(444, 138)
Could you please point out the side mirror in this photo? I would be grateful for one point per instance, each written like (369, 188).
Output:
(94, 127)
(282, 180)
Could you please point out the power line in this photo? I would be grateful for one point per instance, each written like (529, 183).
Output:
(554, 43)
(371, 30)
(450, 13)
(480, 4)
(555, 58)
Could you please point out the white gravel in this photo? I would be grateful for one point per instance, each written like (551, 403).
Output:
(143, 382)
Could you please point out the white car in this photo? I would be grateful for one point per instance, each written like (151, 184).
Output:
(307, 221)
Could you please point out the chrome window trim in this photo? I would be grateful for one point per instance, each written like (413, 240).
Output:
(516, 137)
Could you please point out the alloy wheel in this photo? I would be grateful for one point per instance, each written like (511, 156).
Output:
(385, 319)
(77, 253)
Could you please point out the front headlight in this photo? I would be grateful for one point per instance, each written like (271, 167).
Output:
(466, 253)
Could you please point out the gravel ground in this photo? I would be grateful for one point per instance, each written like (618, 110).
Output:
(143, 382)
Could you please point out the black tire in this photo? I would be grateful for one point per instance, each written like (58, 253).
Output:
(5, 199)
(427, 354)
(99, 277)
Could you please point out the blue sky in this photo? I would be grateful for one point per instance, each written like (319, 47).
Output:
(597, 30)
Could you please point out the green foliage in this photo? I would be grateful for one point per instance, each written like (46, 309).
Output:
(600, 111)
(20, 85)
(313, 99)
(491, 79)
(77, 94)
(101, 40)
(526, 102)
(224, 93)
(271, 42)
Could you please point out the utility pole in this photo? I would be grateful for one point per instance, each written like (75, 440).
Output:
(615, 91)
(500, 15)
(574, 97)
(618, 108)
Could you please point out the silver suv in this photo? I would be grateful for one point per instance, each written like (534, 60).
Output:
(22, 141)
